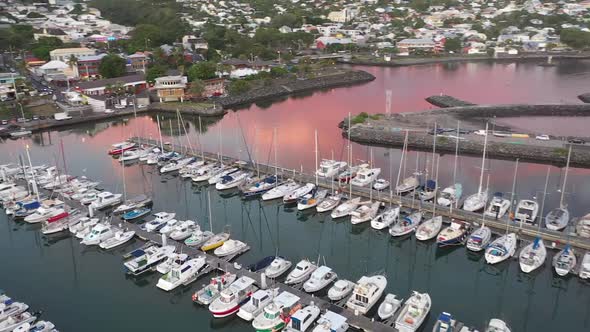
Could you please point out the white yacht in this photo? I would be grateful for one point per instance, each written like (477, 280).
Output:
(105, 200)
(198, 237)
(367, 292)
(564, 261)
(497, 325)
(120, 237)
(341, 289)
(303, 318)
(445, 323)
(413, 313)
(301, 272)
(209, 293)
(479, 239)
(9, 308)
(170, 226)
(429, 229)
(13, 323)
(450, 195)
(406, 225)
(386, 218)
(130, 155)
(526, 211)
(99, 233)
(281, 190)
(183, 274)
(331, 322)
(296, 194)
(160, 221)
(498, 206)
(428, 191)
(330, 168)
(226, 171)
(232, 181)
(501, 249)
(89, 197)
(260, 187)
(365, 177)
(42, 326)
(455, 234)
(277, 314)
(172, 261)
(557, 219)
(381, 184)
(389, 307)
(206, 172)
(476, 202)
(408, 184)
(585, 266)
(311, 200)
(42, 214)
(144, 259)
(583, 226)
(82, 224)
(346, 208)
(277, 267)
(532, 256)
(319, 279)
(184, 230)
(230, 247)
(365, 212)
(176, 165)
(232, 298)
(260, 299)
(137, 202)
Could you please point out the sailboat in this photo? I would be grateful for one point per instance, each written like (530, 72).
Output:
(406, 225)
(313, 198)
(558, 218)
(498, 206)
(409, 183)
(532, 256)
(501, 249)
(431, 227)
(565, 261)
(216, 240)
(367, 211)
(479, 239)
(455, 234)
(478, 200)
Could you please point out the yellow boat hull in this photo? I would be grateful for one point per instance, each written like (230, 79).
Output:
(212, 246)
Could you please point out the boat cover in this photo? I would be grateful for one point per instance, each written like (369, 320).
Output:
(430, 184)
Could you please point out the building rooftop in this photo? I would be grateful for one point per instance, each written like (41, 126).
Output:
(111, 81)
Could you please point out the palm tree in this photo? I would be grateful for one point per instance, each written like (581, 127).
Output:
(73, 63)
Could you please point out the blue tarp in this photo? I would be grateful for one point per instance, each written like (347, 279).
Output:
(430, 184)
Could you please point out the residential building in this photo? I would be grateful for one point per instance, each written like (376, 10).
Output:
(137, 62)
(323, 42)
(190, 42)
(408, 45)
(88, 65)
(57, 33)
(214, 87)
(343, 16)
(63, 54)
(99, 87)
(171, 88)
(53, 68)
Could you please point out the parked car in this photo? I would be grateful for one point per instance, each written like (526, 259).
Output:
(480, 132)
(119, 106)
(542, 137)
(35, 117)
(4, 122)
(576, 140)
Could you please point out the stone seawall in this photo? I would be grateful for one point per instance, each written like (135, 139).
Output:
(489, 111)
(447, 101)
(585, 97)
(188, 109)
(296, 86)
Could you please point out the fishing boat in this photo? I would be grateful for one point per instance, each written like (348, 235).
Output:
(381, 184)
(277, 267)
(215, 241)
(406, 225)
(330, 168)
(498, 206)
(281, 190)
(319, 279)
(293, 196)
(365, 212)
(532, 256)
(12, 323)
(365, 177)
(260, 187)
(160, 221)
(346, 208)
(233, 297)
(121, 237)
(99, 233)
(136, 214)
(172, 261)
(119, 148)
(479, 239)
(428, 192)
(301, 272)
(184, 230)
(453, 235)
(367, 292)
(260, 299)
(219, 176)
(133, 203)
(564, 262)
(206, 172)
(408, 184)
(388, 307)
(585, 266)
(497, 325)
(303, 318)
(429, 229)
(198, 237)
(386, 218)
(526, 211)
(106, 199)
(414, 312)
(209, 293)
(232, 181)
(501, 249)
(557, 219)
(311, 200)
(444, 323)
(341, 289)
(277, 314)
(329, 202)
(230, 247)
(331, 322)
(183, 274)
(144, 259)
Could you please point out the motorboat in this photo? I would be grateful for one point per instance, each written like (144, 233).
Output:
(233, 297)
(281, 190)
(445, 323)
(319, 279)
(61, 225)
(198, 237)
(119, 148)
(232, 181)
(311, 200)
(330, 168)
(261, 187)
(176, 165)
(381, 184)
(43, 326)
(583, 226)
(365, 212)
(429, 229)
(184, 230)
(130, 155)
(84, 223)
(301, 272)
(532, 256)
(406, 225)
(10, 308)
(183, 274)
(497, 325)
(585, 266)
(476, 202)
(144, 259)
(209, 293)
(121, 237)
(22, 132)
(346, 208)
(329, 203)
(261, 264)
(206, 172)
(557, 219)
(167, 157)
(293, 196)
(526, 211)
(428, 192)
(170, 226)
(172, 261)
(99, 233)
(386, 218)
(160, 221)
(42, 214)
(564, 261)
(219, 176)
(347, 175)
(230, 247)
(365, 177)
(277, 267)
(366, 293)
(501, 249)
(89, 197)
(331, 322)
(277, 314)
(260, 299)
(498, 206)
(215, 241)
(136, 214)
(105, 200)
(479, 239)
(303, 318)
(12, 323)
(408, 184)
(389, 306)
(453, 235)
(140, 201)
(341, 289)
(190, 170)
(413, 313)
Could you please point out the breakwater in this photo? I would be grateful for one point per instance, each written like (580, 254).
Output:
(585, 97)
(447, 101)
(515, 110)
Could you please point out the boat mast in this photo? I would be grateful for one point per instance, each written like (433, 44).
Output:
(401, 161)
(371, 183)
(350, 156)
(433, 148)
(35, 188)
(160, 134)
(483, 159)
(544, 196)
(316, 156)
(200, 141)
(172, 134)
(435, 187)
(513, 187)
(209, 208)
(567, 167)
(124, 187)
(456, 155)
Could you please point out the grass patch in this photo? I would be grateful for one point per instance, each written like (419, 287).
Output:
(375, 116)
(560, 152)
(360, 118)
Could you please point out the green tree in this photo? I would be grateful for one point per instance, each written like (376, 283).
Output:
(154, 72)
(35, 15)
(111, 66)
(239, 87)
(202, 71)
(197, 88)
(575, 38)
(287, 19)
(452, 45)
(278, 72)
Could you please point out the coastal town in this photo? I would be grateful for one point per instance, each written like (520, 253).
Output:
(294, 165)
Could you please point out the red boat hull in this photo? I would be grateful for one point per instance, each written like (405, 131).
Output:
(58, 217)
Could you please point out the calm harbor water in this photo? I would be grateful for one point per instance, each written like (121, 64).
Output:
(84, 289)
